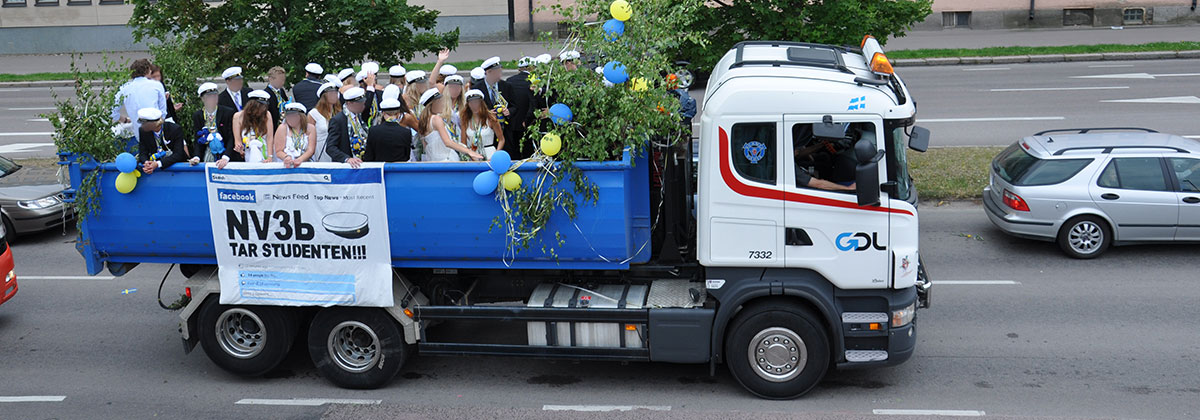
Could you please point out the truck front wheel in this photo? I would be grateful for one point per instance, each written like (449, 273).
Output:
(777, 350)
(245, 340)
(358, 348)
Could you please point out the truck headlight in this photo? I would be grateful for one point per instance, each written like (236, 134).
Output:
(40, 203)
(904, 316)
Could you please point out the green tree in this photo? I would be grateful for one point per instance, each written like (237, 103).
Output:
(182, 73)
(259, 34)
(837, 22)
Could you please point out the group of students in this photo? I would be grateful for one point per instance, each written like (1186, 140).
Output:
(345, 117)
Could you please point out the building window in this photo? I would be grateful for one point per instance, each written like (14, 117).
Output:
(956, 19)
(1134, 15)
(46, 3)
(112, 1)
(1078, 17)
(14, 3)
(79, 2)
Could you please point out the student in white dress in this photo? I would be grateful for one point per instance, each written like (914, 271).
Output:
(295, 139)
(481, 130)
(328, 105)
(252, 126)
(455, 97)
(438, 146)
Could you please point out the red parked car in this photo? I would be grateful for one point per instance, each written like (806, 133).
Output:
(8, 287)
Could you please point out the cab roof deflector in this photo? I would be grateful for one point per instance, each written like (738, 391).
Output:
(798, 54)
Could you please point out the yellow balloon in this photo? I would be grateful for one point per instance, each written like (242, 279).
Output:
(551, 144)
(640, 84)
(137, 173)
(621, 10)
(510, 180)
(126, 182)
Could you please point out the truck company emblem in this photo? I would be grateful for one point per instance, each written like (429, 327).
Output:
(755, 151)
(859, 241)
(857, 103)
(904, 263)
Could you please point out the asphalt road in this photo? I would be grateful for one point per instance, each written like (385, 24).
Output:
(962, 105)
(1056, 338)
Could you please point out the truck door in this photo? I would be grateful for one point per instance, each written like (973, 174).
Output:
(826, 230)
(743, 207)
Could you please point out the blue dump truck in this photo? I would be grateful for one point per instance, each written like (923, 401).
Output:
(750, 266)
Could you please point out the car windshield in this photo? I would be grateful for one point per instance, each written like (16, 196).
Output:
(1013, 163)
(7, 167)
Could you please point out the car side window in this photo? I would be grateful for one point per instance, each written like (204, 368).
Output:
(753, 150)
(1187, 171)
(1144, 174)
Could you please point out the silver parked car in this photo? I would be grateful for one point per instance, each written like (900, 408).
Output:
(30, 201)
(1088, 189)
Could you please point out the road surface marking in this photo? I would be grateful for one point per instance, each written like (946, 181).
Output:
(38, 120)
(33, 398)
(1046, 89)
(36, 108)
(959, 413)
(987, 69)
(306, 402)
(22, 147)
(11, 90)
(1103, 66)
(1135, 76)
(992, 119)
(27, 134)
(605, 408)
(954, 282)
(20, 277)
(1164, 100)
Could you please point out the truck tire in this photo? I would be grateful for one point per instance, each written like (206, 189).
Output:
(245, 340)
(777, 350)
(1084, 237)
(356, 348)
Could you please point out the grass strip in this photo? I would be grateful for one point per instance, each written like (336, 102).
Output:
(952, 173)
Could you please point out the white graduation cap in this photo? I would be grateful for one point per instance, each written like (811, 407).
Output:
(430, 95)
(149, 114)
(389, 104)
(260, 95)
(397, 71)
(354, 94)
(477, 73)
(454, 80)
(314, 68)
(232, 72)
(342, 75)
(207, 87)
(491, 62)
(568, 55)
(447, 70)
(415, 76)
(391, 92)
(295, 107)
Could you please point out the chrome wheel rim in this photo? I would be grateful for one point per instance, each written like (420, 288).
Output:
(354, 346)
(1085, 237)
(685, 78)
(241, 333)
(777, 354)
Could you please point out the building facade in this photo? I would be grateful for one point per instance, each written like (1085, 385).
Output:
(58, 26)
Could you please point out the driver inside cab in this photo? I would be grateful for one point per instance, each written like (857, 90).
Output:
(832, 158)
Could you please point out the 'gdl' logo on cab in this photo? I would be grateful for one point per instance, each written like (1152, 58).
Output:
(859, 241)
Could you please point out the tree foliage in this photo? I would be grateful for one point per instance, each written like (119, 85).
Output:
(181, 72)
(837, 22)
(259, 34)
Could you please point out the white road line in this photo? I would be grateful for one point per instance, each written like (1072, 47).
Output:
(989, 119)
(1104, 66)
(38, 120)
(1135, 76)
(27, 134)
(954, 282)
(33, 398)
(41, 108)
(22, 147)
(1048, 89)
(605, 408)
(11, 90)
(20, 277)
(1164, 100)
(987, 69)
(305, 402)
(959, 413)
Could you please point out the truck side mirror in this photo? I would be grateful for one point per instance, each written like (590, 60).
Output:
(866, 177)
(919, 139)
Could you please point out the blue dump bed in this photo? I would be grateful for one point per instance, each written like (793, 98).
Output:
(436, 220)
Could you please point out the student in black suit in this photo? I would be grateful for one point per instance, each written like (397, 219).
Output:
(347, 138)
(389, 141)
(236, 91)
(520, 110)
(495, 90)
(156, 136)
(279, 96)
(214, 118)
(305, 91)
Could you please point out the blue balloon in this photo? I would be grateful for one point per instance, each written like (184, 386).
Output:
(615, 73)
(613, 29)
(500, 162)
(561, 114)
(486, 182)
(126, 163)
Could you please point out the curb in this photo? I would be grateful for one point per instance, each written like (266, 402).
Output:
(71, 83)
(1048, 58)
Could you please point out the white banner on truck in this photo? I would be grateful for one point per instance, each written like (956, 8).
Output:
(316, 235)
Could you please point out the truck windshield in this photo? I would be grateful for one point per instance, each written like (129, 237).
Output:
(898, 162)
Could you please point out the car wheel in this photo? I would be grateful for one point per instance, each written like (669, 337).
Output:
(1084, 237)
(777, 350)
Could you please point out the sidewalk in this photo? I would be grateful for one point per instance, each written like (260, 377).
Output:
(950, 38)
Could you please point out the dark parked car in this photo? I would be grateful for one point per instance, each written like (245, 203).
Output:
(30, 203)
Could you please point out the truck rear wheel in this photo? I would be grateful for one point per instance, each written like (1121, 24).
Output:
(245, 340)
(777, 350)
(357, 348)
